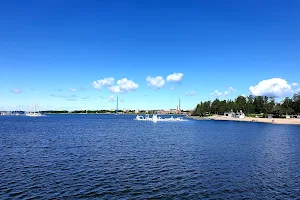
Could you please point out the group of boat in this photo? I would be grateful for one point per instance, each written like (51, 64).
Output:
(155, 118)
(30, 113)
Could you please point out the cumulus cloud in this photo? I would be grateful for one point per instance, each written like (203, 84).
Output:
(72, 90)
(295, 84)
(123, 85)
(155, 82)
(217, 93)
(176, 77)
(16, 91)
(275, 87)
(190, 93)
(103, 83)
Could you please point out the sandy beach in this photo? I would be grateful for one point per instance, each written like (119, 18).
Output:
(252, 119)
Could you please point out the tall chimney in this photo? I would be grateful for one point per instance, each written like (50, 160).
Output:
(179, 107)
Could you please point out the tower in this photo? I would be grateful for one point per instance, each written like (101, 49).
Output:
(179, 107)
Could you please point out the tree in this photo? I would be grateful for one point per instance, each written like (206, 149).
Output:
(250, 108)
(296, 103)
(222, 107)
(230, 105)
(206, 107)
(241, 103)
(250, 105)
(215, 106)
(270, 106)
(286, 106)
(258, 104)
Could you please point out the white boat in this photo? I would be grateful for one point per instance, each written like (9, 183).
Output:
(155, 118)
(4, 113)
(35, 113)
(142, 118)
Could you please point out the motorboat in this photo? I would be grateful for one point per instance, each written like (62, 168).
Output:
(156, 118)
(142, 118)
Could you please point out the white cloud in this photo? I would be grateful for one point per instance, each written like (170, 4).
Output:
(115, 89)
(216, 93)
(275, 87)
(103, 83)
(190, 93)
(72, 90)
(226, 93)
(232, 89)
(16, 91)
(176, 77)
(295, 84)
(123, 85)
(156, 82)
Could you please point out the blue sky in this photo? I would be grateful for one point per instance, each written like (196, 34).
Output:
(51, 52)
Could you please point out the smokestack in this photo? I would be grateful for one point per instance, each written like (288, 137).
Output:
(179, 107)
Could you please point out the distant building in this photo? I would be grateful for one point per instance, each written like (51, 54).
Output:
(173, 111)
(239, 114)
(229, 114)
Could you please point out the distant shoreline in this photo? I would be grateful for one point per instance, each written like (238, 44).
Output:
(103, 114)
(292, 121)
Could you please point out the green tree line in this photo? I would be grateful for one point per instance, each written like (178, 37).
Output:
(251, 105)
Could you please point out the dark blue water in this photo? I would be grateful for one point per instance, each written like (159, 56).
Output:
(115, 157)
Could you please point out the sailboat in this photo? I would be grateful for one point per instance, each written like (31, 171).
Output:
(35, 113)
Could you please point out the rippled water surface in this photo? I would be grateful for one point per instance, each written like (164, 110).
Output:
(115, 157)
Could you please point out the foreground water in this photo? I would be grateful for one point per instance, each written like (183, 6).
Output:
(115, 157)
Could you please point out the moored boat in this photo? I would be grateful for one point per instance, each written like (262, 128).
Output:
(155, 118)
